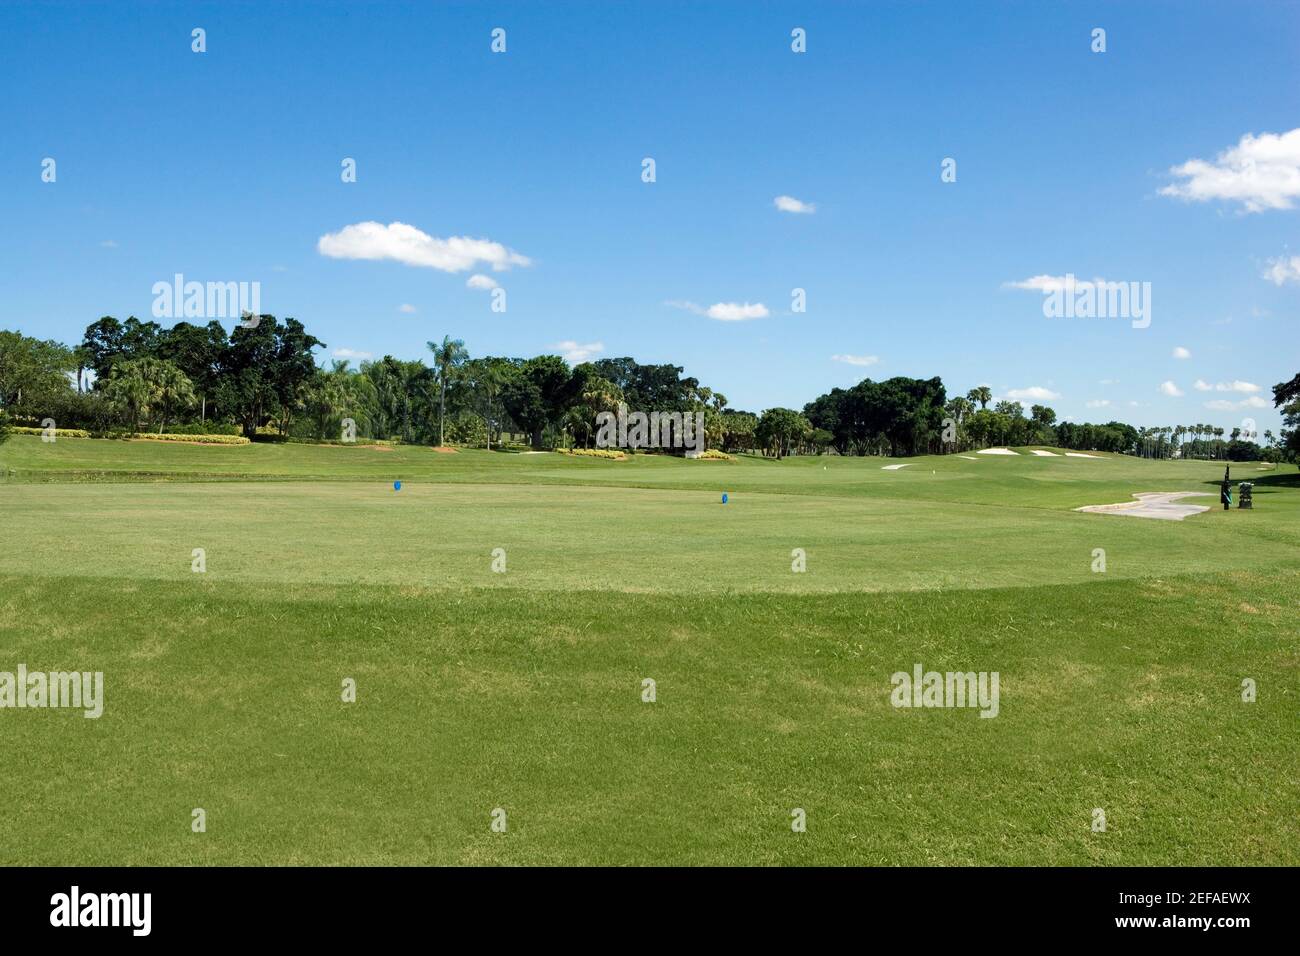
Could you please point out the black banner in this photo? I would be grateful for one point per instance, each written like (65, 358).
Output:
(1218, 906)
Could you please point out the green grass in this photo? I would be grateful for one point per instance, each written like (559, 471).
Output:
(522, 690)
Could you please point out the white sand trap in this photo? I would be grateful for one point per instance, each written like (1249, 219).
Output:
(1079, 454)
(894, 467)
(968, 457)
(1045, 454)
(1154, 504)
(997, 451)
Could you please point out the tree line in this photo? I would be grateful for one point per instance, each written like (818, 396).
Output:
(261, 379)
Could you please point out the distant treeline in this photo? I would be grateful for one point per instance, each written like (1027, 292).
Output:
(261, 379)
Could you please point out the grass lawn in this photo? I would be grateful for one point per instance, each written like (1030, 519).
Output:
(522, 690)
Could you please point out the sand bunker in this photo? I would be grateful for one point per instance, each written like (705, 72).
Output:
(968, 457)
(894, 467)
(1154, 504)
(1045, 454)
(1079, 454)
(997, 451)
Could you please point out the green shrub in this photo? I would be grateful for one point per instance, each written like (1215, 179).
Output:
(336, 441)
(610, 453)
(198, 439)
(467, 430)
(58, 432)
(204, 428)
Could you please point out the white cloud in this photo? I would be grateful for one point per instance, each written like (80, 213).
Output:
(1045, 283)
(406, 244)
(480, 281)
(856, 359)
(1181, 353)
(575, 353)
(790, 204)
(1283, 270)
(1223, 405)
(1033, 393)
(351, 354)
(735, 312)
(724, 311)
(1068, 283)
(1260, 172)
(1234, 386)
(108, 244)
(1170, 389)
(406, 307)
(1097, 403)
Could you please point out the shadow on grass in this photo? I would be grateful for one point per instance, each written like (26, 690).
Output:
(1265, 482)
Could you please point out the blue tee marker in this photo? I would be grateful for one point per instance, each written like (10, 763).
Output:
(397, 486)
(724, 497)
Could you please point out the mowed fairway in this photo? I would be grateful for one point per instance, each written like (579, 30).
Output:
(523, 690)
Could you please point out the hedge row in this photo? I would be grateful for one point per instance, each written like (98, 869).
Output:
(593, 453)
(198, 439)
(58, 432)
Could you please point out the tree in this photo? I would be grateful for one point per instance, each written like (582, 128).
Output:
(959, 408)
(102, 346)
(149, 388)
(32, 371)
(483, 379)
(780, 428)
(1042, 419)
(196, 351)
(982, 394)
(293, 365)
(141, 339)
(1286, 396)
(262, 372)
(448, 357)
(325, 398)
(173, 391)
(593, 394)
(738, 429)
(538, 395)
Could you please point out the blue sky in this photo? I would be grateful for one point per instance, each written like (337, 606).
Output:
(225, 166)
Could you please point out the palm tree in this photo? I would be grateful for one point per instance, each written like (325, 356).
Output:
(959, 408)
(982, 394)
(173, 391)
(148, 385)
(484, 377)
(450, 355)
(82, 357)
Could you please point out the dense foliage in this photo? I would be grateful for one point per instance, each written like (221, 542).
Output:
(261, 380)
